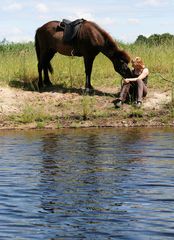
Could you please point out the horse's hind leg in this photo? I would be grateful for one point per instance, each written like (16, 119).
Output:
(40, 67)
(46, 77)
(47, 67)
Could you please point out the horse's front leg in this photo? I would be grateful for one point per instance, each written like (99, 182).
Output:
(88, 69)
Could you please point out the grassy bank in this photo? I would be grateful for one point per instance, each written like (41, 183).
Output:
(18, 63)
(62, 107)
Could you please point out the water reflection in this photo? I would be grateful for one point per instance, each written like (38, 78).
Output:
(89, 184)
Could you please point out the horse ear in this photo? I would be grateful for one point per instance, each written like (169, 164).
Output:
(123, 56)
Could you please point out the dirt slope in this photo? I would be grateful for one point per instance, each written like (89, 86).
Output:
(69, 105)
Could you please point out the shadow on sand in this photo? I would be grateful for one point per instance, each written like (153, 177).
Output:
(59, 88)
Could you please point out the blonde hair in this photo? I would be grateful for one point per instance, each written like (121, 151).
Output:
(138, 62)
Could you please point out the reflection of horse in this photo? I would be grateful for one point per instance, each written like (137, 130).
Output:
(88, 42)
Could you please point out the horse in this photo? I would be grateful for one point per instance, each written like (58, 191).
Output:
(89, 41)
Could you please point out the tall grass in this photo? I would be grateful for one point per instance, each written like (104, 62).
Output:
(18, 63)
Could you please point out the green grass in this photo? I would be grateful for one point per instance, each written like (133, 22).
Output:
(18, 63)
(32, 114)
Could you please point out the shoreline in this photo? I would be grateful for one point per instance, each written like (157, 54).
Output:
(65, 108)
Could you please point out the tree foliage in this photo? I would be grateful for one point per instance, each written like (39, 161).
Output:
(155, 39)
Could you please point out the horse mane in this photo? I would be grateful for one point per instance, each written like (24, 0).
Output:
(106, 36)
(111, 44)
(124, 56)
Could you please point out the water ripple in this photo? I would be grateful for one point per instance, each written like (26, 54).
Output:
(87, 184)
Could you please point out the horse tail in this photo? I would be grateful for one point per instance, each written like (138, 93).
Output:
(37, 49)
(50, 68)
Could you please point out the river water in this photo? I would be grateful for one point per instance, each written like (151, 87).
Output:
(87, 184)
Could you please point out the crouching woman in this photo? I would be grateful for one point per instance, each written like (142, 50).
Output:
(137, 83)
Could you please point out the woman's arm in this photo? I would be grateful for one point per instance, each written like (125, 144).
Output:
(143, 75)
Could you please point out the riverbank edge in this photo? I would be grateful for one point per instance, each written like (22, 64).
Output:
(90, 124)
(57, 109)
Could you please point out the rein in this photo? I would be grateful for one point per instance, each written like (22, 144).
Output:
(163, 78)
(172, 85)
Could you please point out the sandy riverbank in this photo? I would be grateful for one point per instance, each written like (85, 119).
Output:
(59, 108)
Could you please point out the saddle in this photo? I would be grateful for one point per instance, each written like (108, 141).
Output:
(70, 29)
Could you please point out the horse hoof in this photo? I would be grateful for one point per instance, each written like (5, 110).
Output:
(48, 84)
(40, 87)
(89, 90)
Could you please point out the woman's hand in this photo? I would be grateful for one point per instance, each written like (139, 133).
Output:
(126, 80)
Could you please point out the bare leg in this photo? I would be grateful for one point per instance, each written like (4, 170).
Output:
(142, 90)
(124, 91)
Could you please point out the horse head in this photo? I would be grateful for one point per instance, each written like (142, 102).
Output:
(121, 60)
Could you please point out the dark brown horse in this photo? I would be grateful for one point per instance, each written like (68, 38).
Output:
(89, 41)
